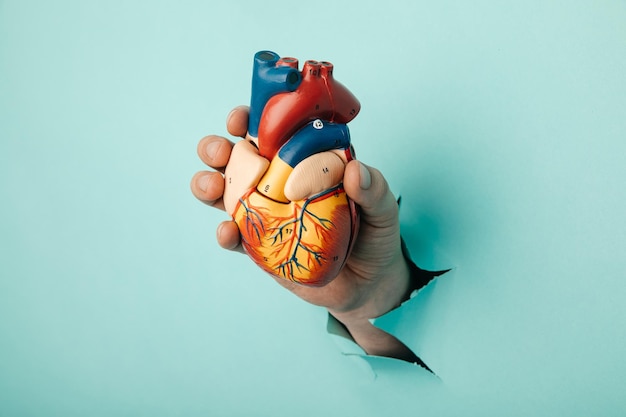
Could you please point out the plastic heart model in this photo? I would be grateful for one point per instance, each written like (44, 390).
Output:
(283, 184)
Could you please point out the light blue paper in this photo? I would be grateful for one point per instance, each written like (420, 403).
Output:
(501, 125)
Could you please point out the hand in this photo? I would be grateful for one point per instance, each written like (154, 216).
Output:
(375, 278)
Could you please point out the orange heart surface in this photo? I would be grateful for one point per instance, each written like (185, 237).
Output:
(283, 183)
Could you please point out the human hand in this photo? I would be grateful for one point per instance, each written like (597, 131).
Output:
(375, 278)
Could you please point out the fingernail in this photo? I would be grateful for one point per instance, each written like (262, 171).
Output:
(366, 178)
(203, 182)
(230, 115)
(212, 148)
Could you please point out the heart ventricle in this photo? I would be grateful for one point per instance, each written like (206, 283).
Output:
(304, 241)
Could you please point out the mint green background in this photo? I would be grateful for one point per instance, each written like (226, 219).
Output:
(502, 125)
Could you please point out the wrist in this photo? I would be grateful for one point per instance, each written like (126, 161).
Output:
(403, 279)
(391, 290)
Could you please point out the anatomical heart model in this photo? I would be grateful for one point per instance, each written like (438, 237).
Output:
(284, 182)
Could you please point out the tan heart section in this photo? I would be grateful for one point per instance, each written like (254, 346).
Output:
(305, 241)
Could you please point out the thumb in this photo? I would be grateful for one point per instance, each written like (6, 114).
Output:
(367, 187)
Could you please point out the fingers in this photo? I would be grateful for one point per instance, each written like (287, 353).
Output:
(368, 188)
(237, 121)
(228, 236)
(215, 151)
(208, 187)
